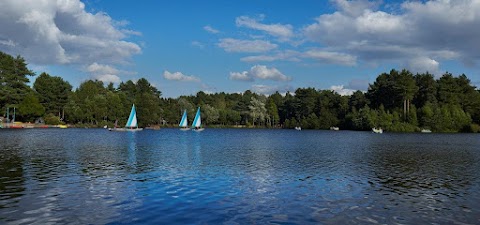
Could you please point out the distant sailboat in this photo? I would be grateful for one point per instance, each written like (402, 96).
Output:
(184, 122)
(334, 128)
(131, 122)
(377, 131)
(197, 122)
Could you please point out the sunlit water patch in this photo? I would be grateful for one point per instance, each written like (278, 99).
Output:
(237, 176)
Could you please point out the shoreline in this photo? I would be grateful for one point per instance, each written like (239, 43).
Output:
(20, 125)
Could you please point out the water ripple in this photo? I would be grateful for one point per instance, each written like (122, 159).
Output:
(230, 176)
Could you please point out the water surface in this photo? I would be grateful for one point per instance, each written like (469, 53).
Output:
(237, 176)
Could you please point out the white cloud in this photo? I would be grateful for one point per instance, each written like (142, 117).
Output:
(198, 44)
(355, 7)
(288, 55)
(435, 29)
(62, 32)
(341, 90)
(106, 73)
(423, 64)
(255, 46)
(259, 72)
(283, 32)
(107, 78)
(264, 73)
(331, 57)
(131, 32)
(178, 76)
(101, 69)
(242, 76)
(210, 29)
(8, 43)
(268, 90)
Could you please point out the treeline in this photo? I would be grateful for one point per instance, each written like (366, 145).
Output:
(396, 101)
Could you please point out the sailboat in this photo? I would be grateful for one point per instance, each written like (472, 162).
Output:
(131, 122)
(184, 122)
(377, 130)
(197, 122)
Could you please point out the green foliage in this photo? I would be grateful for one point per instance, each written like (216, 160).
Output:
(30, 108)
(257, 109)
(474, 128)
(427, 90)
(53, 92)
(396, 101)
(13, 80)
(210, 114)
(51, 119)
(272, 112)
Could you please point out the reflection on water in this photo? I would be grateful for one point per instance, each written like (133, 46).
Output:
(92, 176)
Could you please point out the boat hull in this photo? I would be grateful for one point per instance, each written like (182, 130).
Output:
(184, 129)
(198, 129)
(126, 129)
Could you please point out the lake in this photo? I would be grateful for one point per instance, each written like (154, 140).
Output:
(237, 176)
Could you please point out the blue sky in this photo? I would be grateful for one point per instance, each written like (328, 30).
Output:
(187, 46)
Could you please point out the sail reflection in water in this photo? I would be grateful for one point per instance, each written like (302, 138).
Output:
(237, 176)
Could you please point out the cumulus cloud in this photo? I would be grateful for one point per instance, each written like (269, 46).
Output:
(268, 90)
(107, 78)
(341, 90)
(178, 76)
(288, 55)
(62, 32)
(102, 69)
(430, 31)
(210, 29)
(356, 7)
(331, 57)
(260, 72)
(249, 46)
(423, 64)
(283, 32)
(242, 76)
(106, 73)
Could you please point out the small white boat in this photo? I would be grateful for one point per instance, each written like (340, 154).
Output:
(377, 130)
(131, 122)
(334, 128)
(426, 131)
(298, 128)
(184, 122)
(197, 122)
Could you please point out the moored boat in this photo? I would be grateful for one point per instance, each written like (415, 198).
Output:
(377, 130)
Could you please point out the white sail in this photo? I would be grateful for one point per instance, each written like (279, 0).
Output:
(184, 121)
(197, 122)
(132, 119)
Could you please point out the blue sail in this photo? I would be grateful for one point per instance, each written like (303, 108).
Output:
(197, 122)
(132, 119)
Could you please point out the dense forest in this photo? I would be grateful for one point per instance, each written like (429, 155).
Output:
(397, 101)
